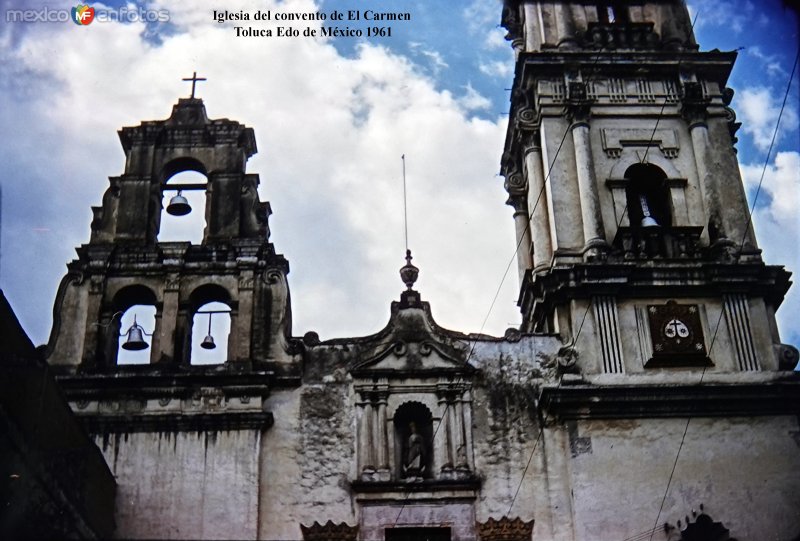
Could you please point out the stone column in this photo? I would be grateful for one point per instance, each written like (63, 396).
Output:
(97, 332)
(443, 460)
(244, 324)
(183, 336)
(565, 26)
(593, 232)
(381, 440)
(694, 112)
(166, 320)
(365, 459)
(462, 462)
(537, 203)
(523, 233)
(452, 424)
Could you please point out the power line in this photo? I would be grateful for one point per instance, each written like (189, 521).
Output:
(741, 246)
(502, 280)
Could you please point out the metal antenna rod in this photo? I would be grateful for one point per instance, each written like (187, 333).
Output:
(405, 200)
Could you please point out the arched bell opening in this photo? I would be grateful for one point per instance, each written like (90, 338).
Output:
(130, 325)
(210, 324)
(413, 436)
(211, 327)
(647, 196)
(183, 207)
(138, 325)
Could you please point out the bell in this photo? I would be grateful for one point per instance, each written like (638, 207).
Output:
(208, 342)
(179, 205)
(647, 220)
(135, 341)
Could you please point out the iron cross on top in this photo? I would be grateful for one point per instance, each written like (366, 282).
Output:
(194, 78)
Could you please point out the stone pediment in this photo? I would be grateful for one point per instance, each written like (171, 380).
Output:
(412, 342)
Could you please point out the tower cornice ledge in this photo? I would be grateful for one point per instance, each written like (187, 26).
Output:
(691, 400)
(645, 279)
(714, 65)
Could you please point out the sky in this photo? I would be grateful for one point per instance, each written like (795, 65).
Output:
(332, 118)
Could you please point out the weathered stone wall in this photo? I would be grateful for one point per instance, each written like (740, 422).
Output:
(505, 434)
(746, 472)
(308, 459)
(188, 485)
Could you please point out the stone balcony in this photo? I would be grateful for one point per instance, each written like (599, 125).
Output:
(636, 36)
(659, 242)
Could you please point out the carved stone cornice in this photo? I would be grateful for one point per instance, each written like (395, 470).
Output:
(578, 107)
(652, 401)
(531, 141)
(515, 182)
(504, 529)
(510, 20)
(329, 532)
(177, 422)
(694, 108)
(526, 119)
(518, 202)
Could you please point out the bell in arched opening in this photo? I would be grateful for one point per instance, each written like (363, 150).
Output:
(647, 218)
(179, 205)
(208, 341)
(135, 340)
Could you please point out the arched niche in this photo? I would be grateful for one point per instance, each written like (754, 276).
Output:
(179, 165)
(211, 325)
(143, 317)
(648, 193)
(202, 300)
(131, 305)
(413, 437)
(186, 177)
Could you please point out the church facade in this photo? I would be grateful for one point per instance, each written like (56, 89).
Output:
(646, 395)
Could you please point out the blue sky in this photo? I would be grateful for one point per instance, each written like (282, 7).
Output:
(332, 118)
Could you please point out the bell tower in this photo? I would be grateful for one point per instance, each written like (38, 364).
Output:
(124, 264)
(629, 209)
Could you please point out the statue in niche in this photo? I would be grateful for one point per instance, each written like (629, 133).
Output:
(414, 465)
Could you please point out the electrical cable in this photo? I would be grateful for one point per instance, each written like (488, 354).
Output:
(719, 319)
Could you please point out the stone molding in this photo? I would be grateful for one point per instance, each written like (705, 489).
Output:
(653, 401)
(177, 422)
(615, 139)
(329, 532)
(504, 529)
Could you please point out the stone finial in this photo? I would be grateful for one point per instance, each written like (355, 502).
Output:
(408, 272)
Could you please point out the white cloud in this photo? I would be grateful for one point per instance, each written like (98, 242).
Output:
(472, 100)
(770, 63)
(480, 13)
(731, 15)
(330, 130)
(496, 39)
(759, 109)
(777, 225)
(435, 59)
(497, 69)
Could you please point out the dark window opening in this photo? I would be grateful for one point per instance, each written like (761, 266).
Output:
(417, 534)
(613, 12)
(647, 196)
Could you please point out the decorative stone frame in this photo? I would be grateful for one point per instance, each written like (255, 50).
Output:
(448, 399)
